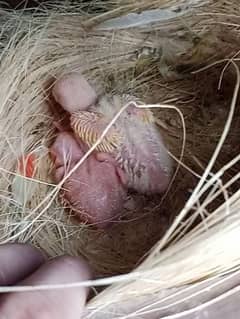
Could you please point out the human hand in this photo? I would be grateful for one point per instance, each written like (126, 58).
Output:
(24, 265)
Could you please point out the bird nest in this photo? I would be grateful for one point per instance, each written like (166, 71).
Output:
(187, 66)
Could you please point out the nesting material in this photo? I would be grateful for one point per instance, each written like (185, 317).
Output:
(160, 64)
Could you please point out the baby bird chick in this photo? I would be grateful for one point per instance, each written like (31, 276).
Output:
(95, 191)
(134, 141)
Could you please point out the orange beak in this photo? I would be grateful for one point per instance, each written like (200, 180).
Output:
(26, 165)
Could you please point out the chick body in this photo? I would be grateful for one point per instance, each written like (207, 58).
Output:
(134, 141)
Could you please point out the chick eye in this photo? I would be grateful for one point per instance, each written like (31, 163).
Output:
(52, 155)
(131, 110)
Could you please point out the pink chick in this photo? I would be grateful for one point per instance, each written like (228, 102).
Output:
(73, 92)
(95, 191)
(134, 141)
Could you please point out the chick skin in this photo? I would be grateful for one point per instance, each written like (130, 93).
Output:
(73, 92)
(95, 191)
(134, 141)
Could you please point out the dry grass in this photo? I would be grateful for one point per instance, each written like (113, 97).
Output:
(39, 47)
